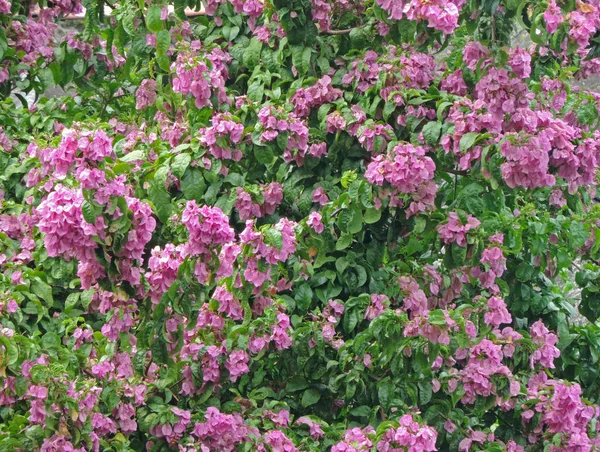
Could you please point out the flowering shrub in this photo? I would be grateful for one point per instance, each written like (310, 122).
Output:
(304, 225)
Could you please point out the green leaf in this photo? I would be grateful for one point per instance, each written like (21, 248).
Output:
(385, 392)
(296, 383)
(180, 164)
(3, 43)
(468, 140)
(193, 185)
(361, 411)
(350, 320)
(163, 42)
(372, 215)
(89, 212)
(256, 91)
(525, 272)
(264, 154)
(388, 109)
(431, 132)
(134, 156)
(42, 290)
(162, 202)
(46, 77)
(355, 224)
(11, 349)
(425, 392)
(303, 297)
(420, 225)
(310, 397)
(252, 53)
(161, 174)
(153, 21)
(71, 301)
(577, 235)
(164, 62)
(139, 361)
(343, 242)
(274, 238)
(86, 298)
(235, 179)
(230, 33)
(160, 353)
(301, 58)
(459, 254)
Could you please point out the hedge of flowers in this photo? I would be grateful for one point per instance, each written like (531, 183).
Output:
(300, 225)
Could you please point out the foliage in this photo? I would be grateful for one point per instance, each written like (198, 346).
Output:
(299, 225)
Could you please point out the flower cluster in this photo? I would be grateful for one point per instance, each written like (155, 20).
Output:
(208, 227)
(66, 233)
(222, 137)
(248, 231)
(355, 439)
(314, 96)
(439, 14)
(546, 341)
(199, 74)
(455, 230)
(271, 194)
(275, 123)
(409, 434)
(407, 170)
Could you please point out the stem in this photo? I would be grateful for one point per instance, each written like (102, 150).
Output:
(455, 182)
(456, 172)
(338, 32)
(106, 102)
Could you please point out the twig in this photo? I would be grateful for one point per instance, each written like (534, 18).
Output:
(338, 32)
(456, 172)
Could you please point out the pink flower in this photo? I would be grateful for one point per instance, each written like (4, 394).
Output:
(546, 341)
(355, 440)
(320, 93)
(454, 83)
(449, 426)
(408, 435)
(222, 137)
(279, 442)
(335, 122)
(193, 76)
(553, 17)
(12, 306)
(377, 306)
(497, 314)
(520, 62)
(273, 195)
(246, 208)
(318, 149)
(556, 199)
(314, 221)
(497, 238)
(237, 364)
(145, 94)
(405, 168)
(495, 264)
(208, 227)
(221, 431)
(319, 195)
(228, 304)
(5, 7)
(473, 53)
(66, 232)
(455, 231)
(314, 428)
